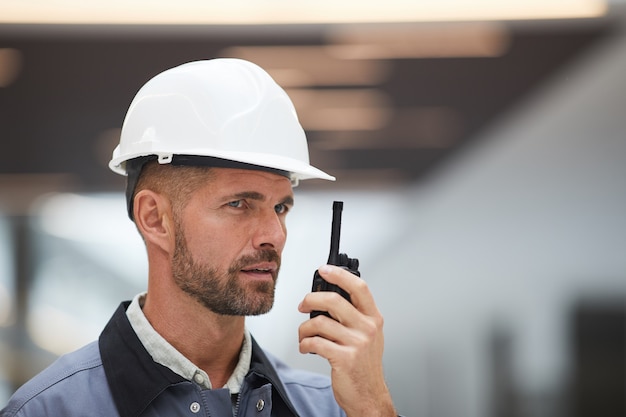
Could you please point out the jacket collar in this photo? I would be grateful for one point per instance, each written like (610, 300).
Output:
(136, 380)
(261, 366)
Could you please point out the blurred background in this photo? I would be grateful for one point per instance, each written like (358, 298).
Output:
(480, 150)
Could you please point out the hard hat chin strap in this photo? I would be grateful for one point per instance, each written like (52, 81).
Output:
(135, 165)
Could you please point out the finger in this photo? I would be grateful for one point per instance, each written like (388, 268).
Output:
(320, 346)
(329, 329)
(329, 301)
(327, 338)
(360, 294)
(320, 326)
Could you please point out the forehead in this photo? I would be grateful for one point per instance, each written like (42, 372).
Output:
(234, 179)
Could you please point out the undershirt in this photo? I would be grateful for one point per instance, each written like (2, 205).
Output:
(165, 354)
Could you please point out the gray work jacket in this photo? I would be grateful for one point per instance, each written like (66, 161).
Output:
(116, 377)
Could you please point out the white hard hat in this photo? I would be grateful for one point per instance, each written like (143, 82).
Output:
(225, 109)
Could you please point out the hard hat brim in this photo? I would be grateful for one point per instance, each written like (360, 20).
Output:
(298, 169)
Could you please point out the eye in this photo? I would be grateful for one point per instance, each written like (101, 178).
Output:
(235, 204)
(281, 208)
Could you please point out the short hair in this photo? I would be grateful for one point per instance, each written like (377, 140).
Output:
(176, 182)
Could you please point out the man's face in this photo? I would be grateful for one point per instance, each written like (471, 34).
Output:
(229, 239)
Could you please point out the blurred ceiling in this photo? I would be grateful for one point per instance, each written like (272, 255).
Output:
(381, 103)
(185, 12)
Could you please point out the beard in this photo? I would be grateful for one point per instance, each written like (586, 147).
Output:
(223, 292)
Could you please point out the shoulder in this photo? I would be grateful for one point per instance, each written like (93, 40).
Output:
(294, 376)
(311, 393)
(73, 385)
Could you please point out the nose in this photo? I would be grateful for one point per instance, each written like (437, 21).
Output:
(271, 232)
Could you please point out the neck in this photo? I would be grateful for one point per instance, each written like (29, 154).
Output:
(211, 341)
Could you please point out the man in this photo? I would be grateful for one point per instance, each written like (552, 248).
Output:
(212, 150)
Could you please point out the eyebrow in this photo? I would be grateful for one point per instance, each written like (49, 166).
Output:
(253, 195)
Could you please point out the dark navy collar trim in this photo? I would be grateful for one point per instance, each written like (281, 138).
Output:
(134, 378)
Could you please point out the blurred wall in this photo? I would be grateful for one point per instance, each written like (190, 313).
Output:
(498, 249)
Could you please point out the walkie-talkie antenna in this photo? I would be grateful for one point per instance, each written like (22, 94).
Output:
(335, 233)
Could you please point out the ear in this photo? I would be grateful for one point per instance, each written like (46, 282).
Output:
(153, 216)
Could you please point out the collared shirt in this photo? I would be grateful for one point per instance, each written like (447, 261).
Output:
(116, 376)
(164, 353)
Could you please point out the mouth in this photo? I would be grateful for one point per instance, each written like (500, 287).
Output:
(262, 270)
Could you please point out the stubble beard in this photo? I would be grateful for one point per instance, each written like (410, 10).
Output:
(223, 292)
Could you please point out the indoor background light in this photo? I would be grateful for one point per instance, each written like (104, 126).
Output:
(287, 12)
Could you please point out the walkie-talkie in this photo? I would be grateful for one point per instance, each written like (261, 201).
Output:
(335, 258)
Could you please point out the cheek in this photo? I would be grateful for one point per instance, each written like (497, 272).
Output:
(217, 242)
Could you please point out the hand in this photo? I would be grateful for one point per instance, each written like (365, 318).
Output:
(353, 343)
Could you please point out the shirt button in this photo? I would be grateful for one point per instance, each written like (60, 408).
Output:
(198, 378)
(260, 405)
(194, 407)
